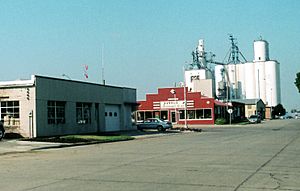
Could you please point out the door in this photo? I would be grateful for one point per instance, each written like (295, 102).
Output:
(112, 118)
(173, 116)
(97, 116)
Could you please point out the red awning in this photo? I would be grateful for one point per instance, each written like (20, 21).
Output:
(220, 103)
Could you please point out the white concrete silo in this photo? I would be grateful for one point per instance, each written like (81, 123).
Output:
(267, 74)
(260, 80)
(272, 74)
(241, 81)
(261, 50)
(250, 80)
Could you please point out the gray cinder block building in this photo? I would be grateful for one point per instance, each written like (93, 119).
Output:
(46, 106)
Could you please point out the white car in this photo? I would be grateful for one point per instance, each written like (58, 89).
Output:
(254, 119)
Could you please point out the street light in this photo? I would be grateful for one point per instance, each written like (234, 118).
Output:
(185, 100)
(271, 104)
(174, 93)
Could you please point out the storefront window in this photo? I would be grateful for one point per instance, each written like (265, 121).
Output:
(156, 114)
(199, 114)
(191, 114)
(164, 115)
(181, 114)
(196, 114)
(148, 114)
(140, 116)
(207, 113)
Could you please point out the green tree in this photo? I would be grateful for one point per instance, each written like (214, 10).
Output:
(297, 81)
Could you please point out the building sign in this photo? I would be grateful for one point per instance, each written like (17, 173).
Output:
(171, 104)
(195, 77)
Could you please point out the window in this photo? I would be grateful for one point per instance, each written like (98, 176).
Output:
(140, 116)
(83, 113)
(199, 114)
(196, 114)
(148, 114)
(207, 114)
(56, 112)
(164, 115)
(191, 114)
(10, 112)
(181, 114)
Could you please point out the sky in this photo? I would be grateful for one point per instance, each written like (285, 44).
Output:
(142, 44)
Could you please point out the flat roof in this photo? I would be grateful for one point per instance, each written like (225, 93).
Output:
(247, 101)
(18, 83)
(31, 82)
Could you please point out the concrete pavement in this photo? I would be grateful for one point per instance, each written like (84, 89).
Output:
(252, 158)
(8, 146)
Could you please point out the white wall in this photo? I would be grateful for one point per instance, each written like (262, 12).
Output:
(257, 80)
(26, 106)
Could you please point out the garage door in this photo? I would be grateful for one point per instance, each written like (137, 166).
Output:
(112, 118)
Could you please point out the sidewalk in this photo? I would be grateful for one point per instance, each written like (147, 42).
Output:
(15, 146)
(9, 146)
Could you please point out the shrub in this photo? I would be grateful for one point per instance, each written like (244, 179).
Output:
(220, 121)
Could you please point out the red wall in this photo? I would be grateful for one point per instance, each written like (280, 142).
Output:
(165, 93)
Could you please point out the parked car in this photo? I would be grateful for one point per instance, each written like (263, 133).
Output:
(154, 123)
(2, 131)
(254, 119)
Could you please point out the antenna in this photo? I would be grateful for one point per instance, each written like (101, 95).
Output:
(102, 64)
(65, 75)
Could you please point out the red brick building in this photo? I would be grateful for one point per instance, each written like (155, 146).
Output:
(169, 104)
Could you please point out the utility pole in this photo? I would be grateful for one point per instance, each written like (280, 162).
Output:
(185, 99)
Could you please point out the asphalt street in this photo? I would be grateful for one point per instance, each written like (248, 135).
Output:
(246, 158)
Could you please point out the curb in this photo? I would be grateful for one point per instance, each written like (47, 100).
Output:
(66, 145)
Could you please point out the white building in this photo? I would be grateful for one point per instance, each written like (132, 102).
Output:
(199, 81)
(198, 76)
(44, 106)
(259, 79)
